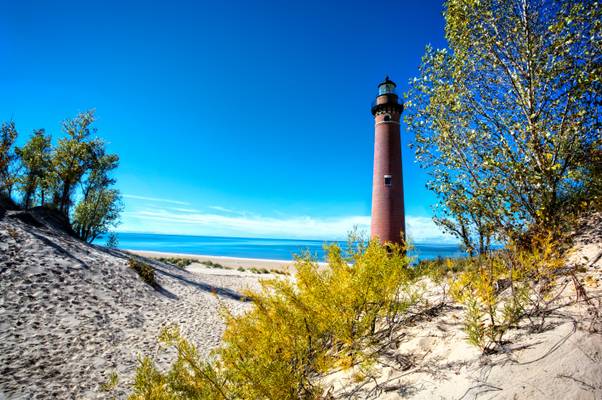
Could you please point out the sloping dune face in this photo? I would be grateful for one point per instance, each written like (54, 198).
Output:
(561, 359)
(72, 314)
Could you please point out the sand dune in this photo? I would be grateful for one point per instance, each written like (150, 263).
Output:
(70, 313)
(430, 359)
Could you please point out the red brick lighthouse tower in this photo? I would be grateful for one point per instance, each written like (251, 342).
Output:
(388, 219)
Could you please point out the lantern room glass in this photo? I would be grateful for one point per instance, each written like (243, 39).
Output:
(386, 88)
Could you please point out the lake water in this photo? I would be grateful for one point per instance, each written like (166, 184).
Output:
(274, 249)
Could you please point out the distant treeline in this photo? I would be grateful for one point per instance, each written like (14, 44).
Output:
(71, 175)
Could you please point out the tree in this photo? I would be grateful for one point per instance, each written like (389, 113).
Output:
(100, 166)
(506, 119)
(72, 158)
(8, 135)
(99, 209)
(78, 168)
(112, 240)
(35, 158)
(97, 213)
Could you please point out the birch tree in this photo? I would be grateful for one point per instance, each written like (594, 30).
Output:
(507, 118)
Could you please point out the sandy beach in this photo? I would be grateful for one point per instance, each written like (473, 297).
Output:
(228, 262)
(72, 314)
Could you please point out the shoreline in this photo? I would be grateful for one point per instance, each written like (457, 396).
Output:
(226, 261)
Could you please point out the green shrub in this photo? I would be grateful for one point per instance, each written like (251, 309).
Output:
(279, 272)
(262, 270)
(180, 262)
(212, 264)
(112, 240)
(111, 383)
(146, 272)
(295, 330)
(441, 266)
(501, 288)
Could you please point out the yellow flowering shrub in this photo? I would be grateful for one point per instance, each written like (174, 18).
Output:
(500, 288)
(326, 317)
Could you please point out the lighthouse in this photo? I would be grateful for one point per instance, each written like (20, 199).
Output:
(388, 219)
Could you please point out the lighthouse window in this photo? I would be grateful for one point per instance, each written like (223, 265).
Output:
(387, 117)
(386, 88)
(388, 180)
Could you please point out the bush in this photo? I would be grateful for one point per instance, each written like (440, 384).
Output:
(112, 240)
(500, 288)
(146, 272)
(279, 272)
(180, 262)
(212, 264)
(111, 383)
(295, 330)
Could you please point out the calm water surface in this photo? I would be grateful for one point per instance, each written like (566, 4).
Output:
(274, 249)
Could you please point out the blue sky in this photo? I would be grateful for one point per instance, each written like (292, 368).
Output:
(236, 118)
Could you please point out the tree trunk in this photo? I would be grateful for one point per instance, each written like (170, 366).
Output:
(64, 203)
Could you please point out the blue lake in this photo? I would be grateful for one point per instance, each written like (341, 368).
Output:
(274, 249)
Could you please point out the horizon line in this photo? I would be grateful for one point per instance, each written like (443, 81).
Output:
(443, 243)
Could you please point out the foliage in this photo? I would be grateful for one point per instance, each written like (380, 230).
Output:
(72, 157)
(111, 383)
(440, 270)
(259, 270)
(183, 262)
(146, 272)
(180, 262)
(279, 272)
(506, 119)
(500, 288)
(112, 240)
(8, 135)
(212, 264)
(440, 266)
(76, 170)
(100, 206)
(35, 156)
(100, 165)
(296, 329)
(593, 178)
(97, 213)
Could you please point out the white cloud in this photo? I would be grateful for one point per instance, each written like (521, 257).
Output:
(185, 210)
(192, 222)
(224, 210)
(424, 230)
(154, 199)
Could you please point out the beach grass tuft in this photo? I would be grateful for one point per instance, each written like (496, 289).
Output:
(111, 383)
(212, 264)
(146, 272)
(179, 262)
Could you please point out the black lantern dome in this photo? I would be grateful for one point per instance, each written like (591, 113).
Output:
(387, 100)
(386, 87)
